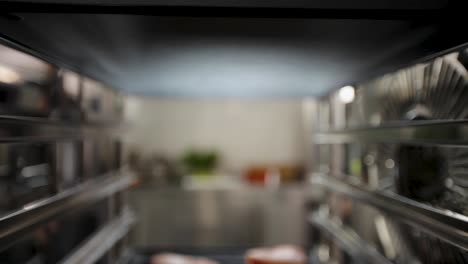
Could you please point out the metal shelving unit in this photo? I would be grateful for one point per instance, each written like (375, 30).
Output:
(63, 183)
(357, 148)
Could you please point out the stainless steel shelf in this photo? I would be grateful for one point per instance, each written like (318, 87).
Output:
(19, 129)
(102, 241)
(57, 122)
(14, 225)
(446, 225)
(451, 132)
(349, 241)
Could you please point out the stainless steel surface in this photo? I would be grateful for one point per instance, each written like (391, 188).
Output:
(58, 129)
(395, 163)
(348, 240)
(32, 87)
(239, 217)
(15, 224)
(446, 225)
(60, 123)
(30, 129)
(310, 119)
(102, 241)
(447, 132)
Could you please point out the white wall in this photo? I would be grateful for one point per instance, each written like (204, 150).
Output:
(244, 131)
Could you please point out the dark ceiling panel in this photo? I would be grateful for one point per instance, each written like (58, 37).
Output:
(333, 4)
(174, 56)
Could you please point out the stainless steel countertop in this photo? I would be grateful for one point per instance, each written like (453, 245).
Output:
(226, 217)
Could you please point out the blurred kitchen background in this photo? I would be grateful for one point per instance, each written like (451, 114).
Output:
(217, 172)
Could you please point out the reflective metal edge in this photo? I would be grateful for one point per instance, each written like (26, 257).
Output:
(447, 132)
(16, 224)
(356, 247)
(314, 256)
(446, 225)
(102, 241)
(17, 129)
(58, 122)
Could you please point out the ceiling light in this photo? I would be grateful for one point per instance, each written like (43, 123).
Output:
(346, 94)
(7, 75)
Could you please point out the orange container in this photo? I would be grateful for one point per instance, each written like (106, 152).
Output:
(257, 175)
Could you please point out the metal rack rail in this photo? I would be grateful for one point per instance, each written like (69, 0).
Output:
(14, 225)
(69, 125)
(446, 132)
(356, 247)
(446, 225)
(18, 129)
(102, 241)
